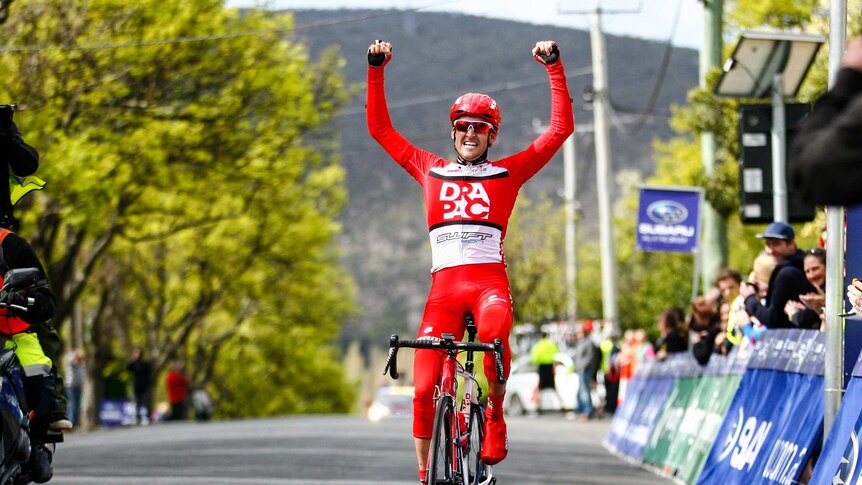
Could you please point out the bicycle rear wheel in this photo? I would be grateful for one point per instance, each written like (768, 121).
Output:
(478, 471)
(442, 457)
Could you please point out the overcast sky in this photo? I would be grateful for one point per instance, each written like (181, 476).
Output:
(652, 19)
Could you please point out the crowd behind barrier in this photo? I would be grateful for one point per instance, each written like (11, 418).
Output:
(754, 416)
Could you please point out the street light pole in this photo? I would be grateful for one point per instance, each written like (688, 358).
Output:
(833, 375)
(779, 152)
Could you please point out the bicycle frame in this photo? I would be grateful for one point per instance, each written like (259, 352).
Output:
(464, 411)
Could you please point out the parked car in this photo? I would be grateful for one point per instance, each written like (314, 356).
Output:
(522, 388)
(391, 401)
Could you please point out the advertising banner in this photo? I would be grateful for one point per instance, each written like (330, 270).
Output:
(116, 412)
(626, 413)
(853, 269)
(774, 420)
(799, 431)
(746, 429)
(840, 460)
(646, 414)
(665, 431)
(634, 420)
(669, 219)
(698, 441)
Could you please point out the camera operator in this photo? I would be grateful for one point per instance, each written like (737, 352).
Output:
(30, 330)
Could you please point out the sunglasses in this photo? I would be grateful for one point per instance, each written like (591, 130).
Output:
(817, 251)
(478, 126)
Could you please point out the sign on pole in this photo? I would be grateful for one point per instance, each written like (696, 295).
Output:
(669, 219)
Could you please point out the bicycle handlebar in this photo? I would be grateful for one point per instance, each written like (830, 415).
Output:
(443, 344)
(392, 360)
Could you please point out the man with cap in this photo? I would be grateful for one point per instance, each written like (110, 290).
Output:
(787, 282)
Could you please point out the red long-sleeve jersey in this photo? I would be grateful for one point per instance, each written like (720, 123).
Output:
(468, 206)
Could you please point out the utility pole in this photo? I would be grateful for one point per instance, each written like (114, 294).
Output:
(714, 238)
(603, 169)
(601, 127)
(569, 184)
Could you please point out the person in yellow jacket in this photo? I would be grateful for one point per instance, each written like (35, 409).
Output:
(543, 354)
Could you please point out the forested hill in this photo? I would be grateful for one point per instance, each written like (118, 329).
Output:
(438, 56)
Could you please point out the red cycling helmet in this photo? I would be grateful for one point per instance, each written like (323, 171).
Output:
(474, 104)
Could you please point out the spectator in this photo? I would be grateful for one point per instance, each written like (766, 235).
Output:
(74, 384)
(587, 360)
(142, 385)
(202, 403)
(808, 311)
(708, 340)
(674, 333)
(824, 162)
(761, 272)
(627, 360)
(787, 281)
(643, 349)
(543, 354)
(854, 295)
(728, 281)
(177, 386)
(611, 369)
(704, 312)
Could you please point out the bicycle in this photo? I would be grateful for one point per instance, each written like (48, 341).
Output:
(456, 443)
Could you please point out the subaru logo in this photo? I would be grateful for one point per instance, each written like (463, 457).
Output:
(667, 212)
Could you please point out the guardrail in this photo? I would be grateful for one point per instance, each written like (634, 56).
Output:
(752, 417)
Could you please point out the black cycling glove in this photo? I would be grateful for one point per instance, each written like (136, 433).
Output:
(377, 60)
(551, 58)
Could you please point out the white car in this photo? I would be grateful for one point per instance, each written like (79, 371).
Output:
(522, 388)
(391, 401)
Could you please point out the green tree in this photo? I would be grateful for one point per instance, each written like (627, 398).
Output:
(535, 255)
(659, 279)
(193, 188)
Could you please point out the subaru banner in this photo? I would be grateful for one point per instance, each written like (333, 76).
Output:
(669, 219)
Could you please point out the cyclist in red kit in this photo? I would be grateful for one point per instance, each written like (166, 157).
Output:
(468, 203)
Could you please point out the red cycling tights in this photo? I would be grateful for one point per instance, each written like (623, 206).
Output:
(480, 289)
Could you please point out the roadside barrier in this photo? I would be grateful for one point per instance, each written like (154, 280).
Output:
(752, 417)
(840, 460)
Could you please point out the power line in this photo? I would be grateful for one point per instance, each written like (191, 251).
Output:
(665, 63)
(214, 37)
(493, 88)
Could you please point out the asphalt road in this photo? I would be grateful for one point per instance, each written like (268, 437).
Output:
(326, 450)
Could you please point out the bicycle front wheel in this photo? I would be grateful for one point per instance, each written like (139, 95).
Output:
(477, 470)
(442, 459)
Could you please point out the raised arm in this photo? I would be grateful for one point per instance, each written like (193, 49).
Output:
(376, 111)
(562, 122)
